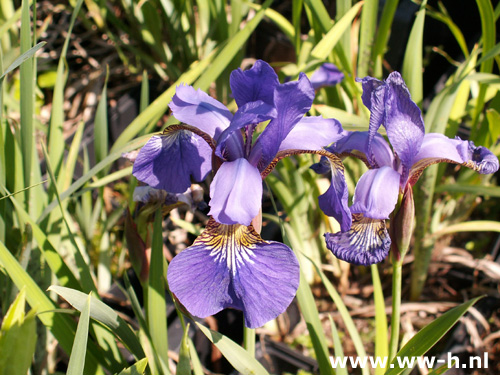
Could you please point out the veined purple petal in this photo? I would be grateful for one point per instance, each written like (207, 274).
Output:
(381, 153)
(232, 266)
(334, 202)
(312, 133)
(326, 75)
(369, 85)
(403, 121)
(367, 242)
(257, 83)
(236, 193)
(168, 161)
(437, 148)
(376, 193)
(230, 142)
(292, 100)
(196, 108)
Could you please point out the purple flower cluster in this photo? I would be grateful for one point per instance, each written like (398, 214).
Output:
(229, 264)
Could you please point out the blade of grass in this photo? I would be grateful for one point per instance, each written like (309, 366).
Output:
(382, 38)
(156, 305)
(104, 314)
(230, 49)
(61, 326)
(235, 354)
(346, 317)
(323, 49)
(77, 358)
(337, 346)
(367, 36)
(412, 63)
(381, 341)
(55, 137)
(428, 336)
(101, 127)
(27, 96)
(133, 145)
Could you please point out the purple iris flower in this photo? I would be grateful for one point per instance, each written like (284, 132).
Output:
(229, 264)
(326, 75)
(392, 170)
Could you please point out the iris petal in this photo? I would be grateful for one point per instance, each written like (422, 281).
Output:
(232, 266)
(367, 242)
(230, 142)
(168, 161)
(257, 83)
(236, 193)
(292, 100)
(334, 202)
(403, 121)
(376, 193)
(312, 133)
(326, 75)
(381, 153)
(437, 148)
(196, 108)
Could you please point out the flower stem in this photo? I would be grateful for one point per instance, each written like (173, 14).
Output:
(397, 271)
(249, 340)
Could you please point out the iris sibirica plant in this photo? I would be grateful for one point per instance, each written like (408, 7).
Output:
(393, 171)
(229, 264)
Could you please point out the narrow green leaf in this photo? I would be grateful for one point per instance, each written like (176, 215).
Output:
(349, 121)
(428, 336)
(346, 317)
(104, 314)
(133, 145)
(381, 335)
(156, 305)
(137, 368)
(25, 56)
(101, 126)
(60, 325)
(17, 337)
(230, 50)
(328, 42)
(27, 95)
(284, 25)
(440, 370)
(320, 14)
(184, 365)
(86, 278)
(235, 354)
(337, 346)
(470, 226)
(367, 36)
(77, 358)
(55, 137)
(412, 63)
(52, 257)
(384, 29)
(488, 191)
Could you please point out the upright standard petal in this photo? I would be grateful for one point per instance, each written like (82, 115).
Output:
(168, 161)
(236, 193)
(437, 148)
(196, 108)
(367, 242)
(326, 75)
(403, 121)
(312, 133)
(292, 101)
(232, 266)
(257, 83)
(376, 193)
